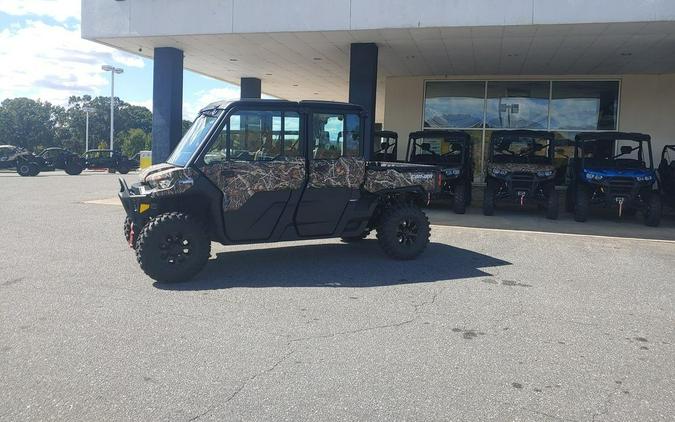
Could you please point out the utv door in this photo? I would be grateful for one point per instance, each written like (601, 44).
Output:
(257, 164)
(336, 172)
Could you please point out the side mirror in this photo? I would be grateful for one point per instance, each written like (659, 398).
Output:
(625, 150)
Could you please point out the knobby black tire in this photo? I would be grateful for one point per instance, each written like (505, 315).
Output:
(24, 168)
(460, 201)
(582, 204)
(654, 210)
(73, 169)
(552, 203)
(489, 197)
(387, 231)
(152, 237)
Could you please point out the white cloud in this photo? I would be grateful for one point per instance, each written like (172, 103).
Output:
(52, 62)
(60, 10)
(204, 97)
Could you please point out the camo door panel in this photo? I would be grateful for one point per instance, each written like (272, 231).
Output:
(255, 193)
(344, 172)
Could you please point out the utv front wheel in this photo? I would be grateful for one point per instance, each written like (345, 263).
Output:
(582, 204)
(459, 203)
(173, 247)
(653, 210)
(489, 197)
(73, 169)
(552, 204)
(25, 169)
(403, 232)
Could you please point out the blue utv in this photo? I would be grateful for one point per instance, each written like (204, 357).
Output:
(613, 170)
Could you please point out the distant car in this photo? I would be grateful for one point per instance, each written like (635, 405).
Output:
(666, 175)
(60, 159)
(25, 162)
(95, 159)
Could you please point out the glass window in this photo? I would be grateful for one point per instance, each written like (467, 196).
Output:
(584, 105)
(336, 135)
(193, 138)
(454, 104)
(517, 105)
(292, 135)
(253, 136)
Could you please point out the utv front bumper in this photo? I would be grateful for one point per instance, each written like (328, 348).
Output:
(138, 206)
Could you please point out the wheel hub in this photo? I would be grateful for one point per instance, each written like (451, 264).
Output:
(175, 249)
(407, 232)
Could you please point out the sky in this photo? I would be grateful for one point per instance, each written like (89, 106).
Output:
(43, 57)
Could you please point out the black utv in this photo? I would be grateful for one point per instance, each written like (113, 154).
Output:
(24, 161)
(453, 152)
(255, 171)
(98, 159)
(386, 145)
(52, 159)
(613, 170)
(666, 175)
(520, 170)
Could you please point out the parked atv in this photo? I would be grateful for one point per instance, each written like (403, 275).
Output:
(520, 169)
(97, 159)
(666, 175)
(386, 146)
(61, 159)
(453, 152)
(254, 171)
(613, 169)
(25, 162)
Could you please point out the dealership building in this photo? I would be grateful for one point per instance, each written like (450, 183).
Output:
(473, 65)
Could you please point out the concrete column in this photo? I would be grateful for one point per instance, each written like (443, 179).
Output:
(251, 88)
(167, 102)
(363, 86)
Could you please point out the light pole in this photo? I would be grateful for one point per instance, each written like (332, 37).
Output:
(87, 110)
(112, 70)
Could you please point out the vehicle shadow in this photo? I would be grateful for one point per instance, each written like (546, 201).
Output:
(334, 265)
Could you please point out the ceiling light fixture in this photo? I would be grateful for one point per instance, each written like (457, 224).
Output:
(318, 59)
(234, 60)
(626, 53)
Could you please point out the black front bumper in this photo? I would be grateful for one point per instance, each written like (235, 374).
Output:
(132, 201)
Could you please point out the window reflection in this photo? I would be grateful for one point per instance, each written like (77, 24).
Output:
(454, 104)
(584, 105)
(517, 105)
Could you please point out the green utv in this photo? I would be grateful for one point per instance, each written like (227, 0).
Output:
(256, 171)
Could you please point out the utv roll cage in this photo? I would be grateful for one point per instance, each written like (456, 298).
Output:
(511, 135)
(453, 137)
(387, 147)
(605, 143)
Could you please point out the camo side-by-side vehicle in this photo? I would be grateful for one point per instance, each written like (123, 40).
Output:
(666, 175)
(56, 158)
(254, 171)
(453, 152)
(613, 169)
(520, 169)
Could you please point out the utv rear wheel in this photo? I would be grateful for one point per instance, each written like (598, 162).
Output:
(582, 204)
(24, 168)
(489, 197)
(173, 247)
(34, 169)
(403, 232)
(653, 210)
(123, 170)
(73, 169)
(459, 203)
(552, 204)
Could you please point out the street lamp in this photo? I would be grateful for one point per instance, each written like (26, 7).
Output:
(86, 136)
(113, 70)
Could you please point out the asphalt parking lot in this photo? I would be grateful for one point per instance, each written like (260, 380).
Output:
(544, 321)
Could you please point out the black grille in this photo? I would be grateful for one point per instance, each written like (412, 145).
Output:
(522, 180)
(621, 185)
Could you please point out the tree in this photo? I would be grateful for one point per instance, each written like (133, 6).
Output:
(134, 141)
(28, 123)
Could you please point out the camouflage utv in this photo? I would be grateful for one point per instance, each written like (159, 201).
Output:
(520, 170)
(255, 171)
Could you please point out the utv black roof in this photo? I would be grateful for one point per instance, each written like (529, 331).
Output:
(441, 133)
(612, 136)
(524, 133)
(255, 102)
(386, 134)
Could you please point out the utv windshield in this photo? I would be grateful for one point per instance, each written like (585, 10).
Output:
(437, 150)
(521, 149)
(194, 137)
(613, 153)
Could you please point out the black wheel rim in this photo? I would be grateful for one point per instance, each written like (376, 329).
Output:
(407, 232)
(176, 249)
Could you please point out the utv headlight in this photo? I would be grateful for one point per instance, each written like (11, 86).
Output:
(452, 172)
(547, 173)
(164, 183)
(593, 176)
(498, 172)
(647, 178)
